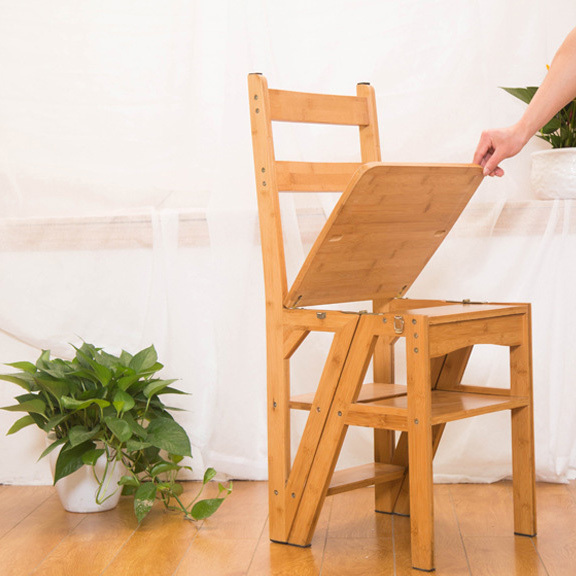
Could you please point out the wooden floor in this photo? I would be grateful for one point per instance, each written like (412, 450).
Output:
(474, 536)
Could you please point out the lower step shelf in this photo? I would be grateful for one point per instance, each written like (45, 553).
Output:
(366, 475)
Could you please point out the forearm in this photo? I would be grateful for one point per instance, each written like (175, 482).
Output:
(557, 89)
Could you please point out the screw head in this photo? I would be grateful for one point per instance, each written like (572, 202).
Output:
(318, 409)
(275, 492)
(293, 495)
(416, 350)
(415, 334)
(416, 421)
(274, 404)
(339, 413)
(413, 320)
(257, 110)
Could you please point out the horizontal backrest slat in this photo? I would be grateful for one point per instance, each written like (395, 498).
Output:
(314, 176)
(288, 106)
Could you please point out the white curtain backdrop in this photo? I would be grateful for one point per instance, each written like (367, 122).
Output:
(128, 211)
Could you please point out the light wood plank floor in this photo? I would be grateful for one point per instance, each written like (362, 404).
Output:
(474, 536)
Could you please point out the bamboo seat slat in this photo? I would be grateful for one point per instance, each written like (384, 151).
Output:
(368, 393)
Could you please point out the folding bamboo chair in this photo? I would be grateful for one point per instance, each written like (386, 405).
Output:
(387, 224)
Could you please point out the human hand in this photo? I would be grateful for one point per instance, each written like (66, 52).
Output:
(497, 145)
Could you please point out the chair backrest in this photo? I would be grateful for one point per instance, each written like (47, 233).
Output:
(274, 176)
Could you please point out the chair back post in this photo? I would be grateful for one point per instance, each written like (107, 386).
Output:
(275, 284)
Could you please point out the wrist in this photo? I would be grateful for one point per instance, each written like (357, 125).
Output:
(524, 130)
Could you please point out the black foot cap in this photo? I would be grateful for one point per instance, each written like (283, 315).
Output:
(290, 544)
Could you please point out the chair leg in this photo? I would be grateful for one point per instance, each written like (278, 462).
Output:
(523, 472)
(523, 460)
(421, 496)
(420, 446)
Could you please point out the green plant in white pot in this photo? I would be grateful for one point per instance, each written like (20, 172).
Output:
(553, 172)
(105, 412)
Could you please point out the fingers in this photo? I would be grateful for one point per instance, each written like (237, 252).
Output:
(491, 167)
(491, 150)
(483, 149)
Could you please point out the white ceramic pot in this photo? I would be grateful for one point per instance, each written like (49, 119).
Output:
(554, 173)
(78, 491)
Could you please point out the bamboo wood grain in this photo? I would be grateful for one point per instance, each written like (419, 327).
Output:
(310, 443)
(397, 214)
(446, 372)
(420, 445)
(368, 393)
(275, 289)
(501, 331)
(314, 176)
(288, 106)
(365, 475)
(330, 443)
(523, 459)
(387, 224)
(292, 340)
(445, 406)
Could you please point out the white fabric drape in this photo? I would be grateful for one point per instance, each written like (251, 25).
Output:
(128, 212)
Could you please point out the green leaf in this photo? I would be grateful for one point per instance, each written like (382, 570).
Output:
(156, 386)
(168, 435)
(133, 445)
(552, 126)
(176, 489)
(126, 381)
(43, 359)
(125, 358)
(74, 404)
(79, 434)
(144, 500)
(524, 94)
(21, 423)
(205, 508)
(70, 460)
(20, 381)
(208, 475)
(123, 401)
(163, 467)
(87, 356)
(90, 458)
(37, 406)
(52, 446)
(144, 360)
(53, 422)
(129, 481)
(119, 428)
(134, 426)
(24, 366)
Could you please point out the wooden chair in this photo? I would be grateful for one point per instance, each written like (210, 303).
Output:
(387, 224)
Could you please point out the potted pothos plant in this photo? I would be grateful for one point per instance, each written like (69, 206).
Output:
(553, 172)
(98, 407)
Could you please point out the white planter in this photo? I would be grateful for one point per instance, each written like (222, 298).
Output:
(554, 173)
(79, 490)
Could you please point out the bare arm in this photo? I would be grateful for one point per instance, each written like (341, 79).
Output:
(557, 89)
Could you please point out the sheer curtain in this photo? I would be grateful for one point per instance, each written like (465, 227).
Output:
(128, 205)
